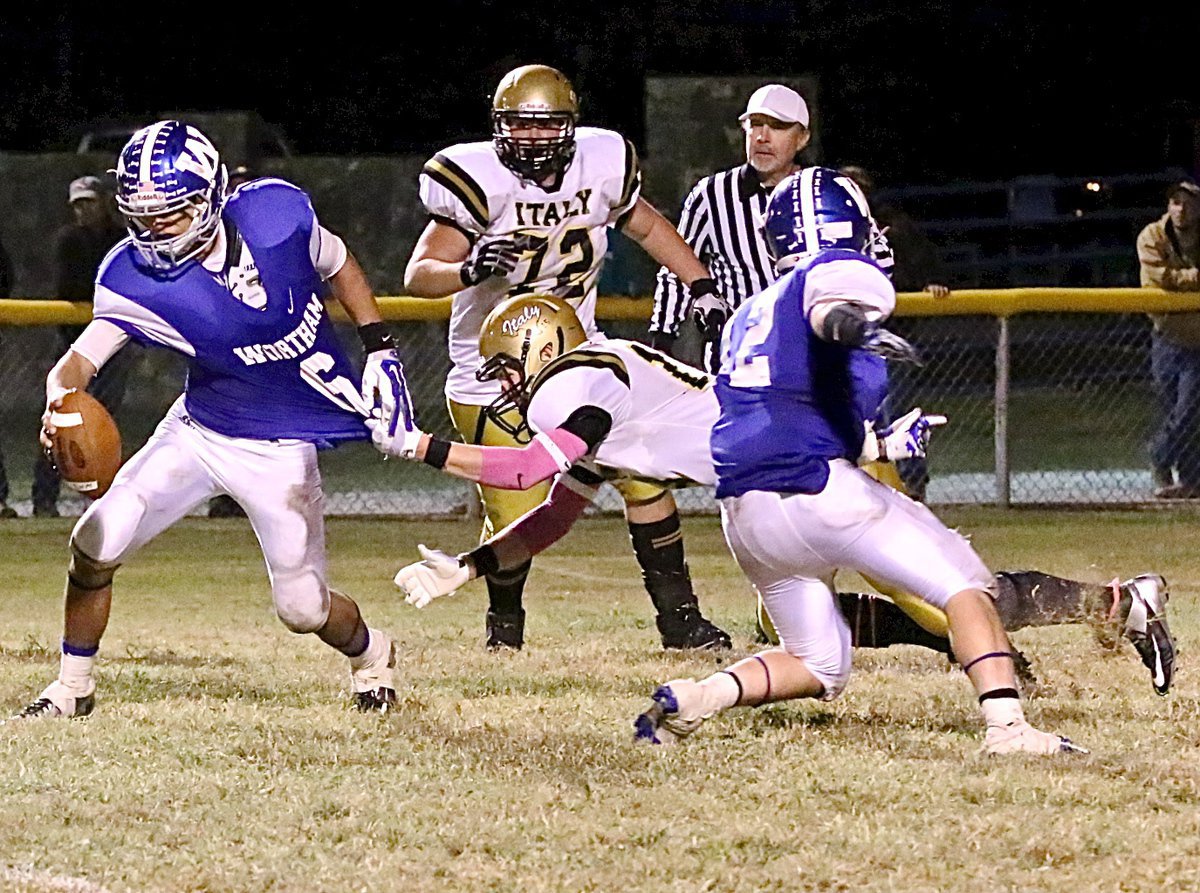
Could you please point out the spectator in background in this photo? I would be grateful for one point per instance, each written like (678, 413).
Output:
(225, 506)
(6, 510)
(79, 247)
(1169, 256)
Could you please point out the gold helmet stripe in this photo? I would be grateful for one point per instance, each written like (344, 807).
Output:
(444, 171)
(633, 174)
(577, 358)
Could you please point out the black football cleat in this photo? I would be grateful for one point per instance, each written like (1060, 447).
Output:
(685, 627)
(505, 632)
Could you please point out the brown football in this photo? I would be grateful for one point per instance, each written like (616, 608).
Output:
(87, 444)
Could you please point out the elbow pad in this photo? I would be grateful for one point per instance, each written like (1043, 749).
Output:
(845, 324)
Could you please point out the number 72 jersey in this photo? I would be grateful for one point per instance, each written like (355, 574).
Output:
(561, 232)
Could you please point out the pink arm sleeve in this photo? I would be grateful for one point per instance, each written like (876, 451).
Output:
(519, 468)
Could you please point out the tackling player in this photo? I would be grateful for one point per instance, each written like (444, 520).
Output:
(799, 360)
(618, 410)
(528, 212)
(236, 285)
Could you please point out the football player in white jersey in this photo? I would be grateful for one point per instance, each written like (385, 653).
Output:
(528, 212)
(618, 410)
(236, 285)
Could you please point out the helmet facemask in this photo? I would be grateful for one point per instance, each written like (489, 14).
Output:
(167, 169)
(535, 98)
(534, 157)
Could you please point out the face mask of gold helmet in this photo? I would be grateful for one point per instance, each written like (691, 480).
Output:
(535, 98)
(519, 338)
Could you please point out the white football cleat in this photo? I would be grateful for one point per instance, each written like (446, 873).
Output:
(1021, 737)
(673, 715)
(58, 702)
(374, 683)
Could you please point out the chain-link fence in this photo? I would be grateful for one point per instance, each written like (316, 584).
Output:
(1045, 407)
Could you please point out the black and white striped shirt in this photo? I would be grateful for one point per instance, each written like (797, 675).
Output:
(722, 220)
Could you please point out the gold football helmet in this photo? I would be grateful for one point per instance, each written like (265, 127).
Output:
(522, 335)
(535, 97)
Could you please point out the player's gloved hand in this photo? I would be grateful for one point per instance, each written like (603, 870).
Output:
(384, 391)
(890, 346)
(497, 257)
(399, 436)
(707, 308)
(437, 574)
(905, 438)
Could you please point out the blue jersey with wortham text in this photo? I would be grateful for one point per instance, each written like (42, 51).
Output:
(791, 402)
(261, 369)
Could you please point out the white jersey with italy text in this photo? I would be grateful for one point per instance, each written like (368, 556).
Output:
(662, 410)
(561, 231)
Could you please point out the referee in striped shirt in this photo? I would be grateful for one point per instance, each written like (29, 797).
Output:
(721, 215)
(721, 221)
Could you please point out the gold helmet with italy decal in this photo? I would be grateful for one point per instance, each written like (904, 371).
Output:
(518, 339)
(539, 103)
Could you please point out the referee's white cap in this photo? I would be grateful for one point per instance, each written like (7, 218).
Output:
(778, 101)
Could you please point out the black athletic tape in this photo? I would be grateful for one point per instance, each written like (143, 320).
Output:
(845, 324)
(485, 561)
(437, 452)
(996, 693)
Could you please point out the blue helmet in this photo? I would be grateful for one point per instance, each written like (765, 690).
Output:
(164, 169)
(814, 209)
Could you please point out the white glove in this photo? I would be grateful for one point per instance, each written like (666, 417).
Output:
(905, 438)
(384, 389)
(436, 575)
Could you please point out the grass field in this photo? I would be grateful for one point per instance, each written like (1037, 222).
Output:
(223, 755)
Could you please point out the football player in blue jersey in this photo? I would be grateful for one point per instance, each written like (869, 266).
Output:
(236, 284)
(803, 363)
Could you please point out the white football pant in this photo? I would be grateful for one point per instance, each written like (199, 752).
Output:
(791, 546)
(184, 464)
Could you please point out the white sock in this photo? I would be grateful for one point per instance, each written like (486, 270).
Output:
(75, 673)
(376, 650)
(719, 691)
(1002, 712)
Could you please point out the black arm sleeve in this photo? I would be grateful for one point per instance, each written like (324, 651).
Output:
(590, 424)
(845, 324)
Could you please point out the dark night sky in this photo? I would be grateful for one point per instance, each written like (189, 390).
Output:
(925, 92)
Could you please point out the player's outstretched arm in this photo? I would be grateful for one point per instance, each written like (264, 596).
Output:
(506, 468)
(439, 574)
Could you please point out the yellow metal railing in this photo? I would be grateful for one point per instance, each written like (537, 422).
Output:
(968, 302)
